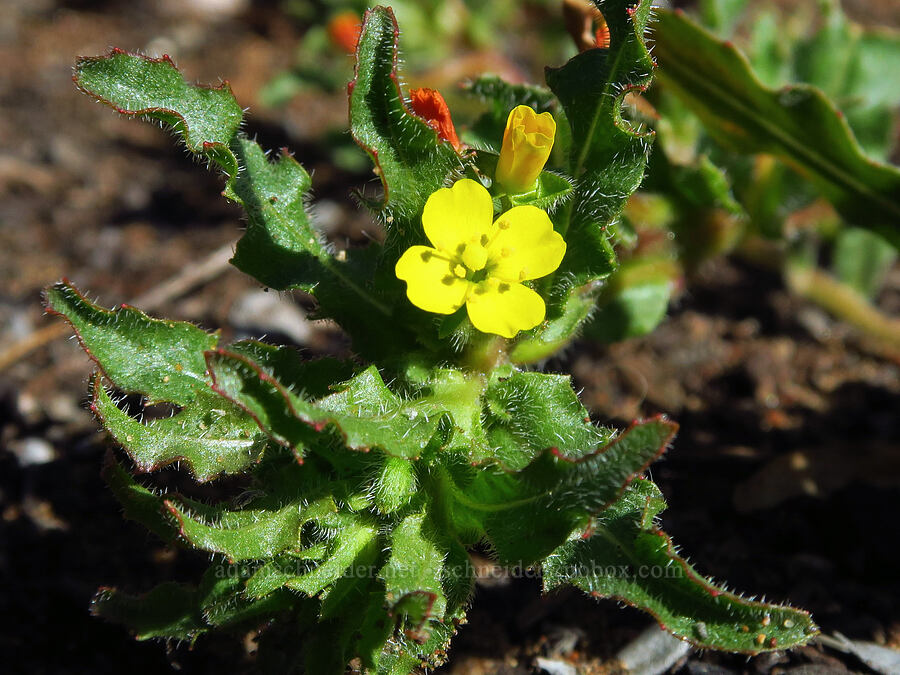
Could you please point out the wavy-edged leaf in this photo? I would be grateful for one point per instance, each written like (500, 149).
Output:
(410, 158)
(628, 558)
(365, 412)
(797, 123)
(555, 494)
(412, 574)
(183, 612)
(527, 412)
(163, 360)
(608, 153)
(309, 378)
(280, 248)
(248, 534)
(138, 503)
(209, 434)
(207, 118)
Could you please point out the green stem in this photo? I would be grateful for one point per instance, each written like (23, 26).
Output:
(484, 353)
(843, 302)
(830, 294)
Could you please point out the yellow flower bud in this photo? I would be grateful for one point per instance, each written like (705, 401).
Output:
(527, 141)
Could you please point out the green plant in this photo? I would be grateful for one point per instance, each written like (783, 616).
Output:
(369, 480)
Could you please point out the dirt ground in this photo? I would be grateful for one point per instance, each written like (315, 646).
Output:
(783, 479)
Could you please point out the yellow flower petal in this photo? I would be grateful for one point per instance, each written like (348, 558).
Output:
(524, 245)
(433, 281)
(504, 308)
(457, 220)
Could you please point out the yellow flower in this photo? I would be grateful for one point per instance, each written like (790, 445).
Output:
(527, 141)
(479, 262)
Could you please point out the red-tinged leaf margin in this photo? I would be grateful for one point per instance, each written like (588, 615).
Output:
(395, 79)
(663, 447)
(110, 312)
(139, 466)
(205, 147)
(351, 85)
(265, 378)
(171, 508)
(671, 552)
(635, 424)
(659, 418)
(768, 644)
(541, 489)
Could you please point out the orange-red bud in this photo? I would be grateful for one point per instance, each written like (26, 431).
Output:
(431, 106)
(344, 29)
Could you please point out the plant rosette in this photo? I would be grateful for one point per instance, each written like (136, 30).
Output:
(369, 480)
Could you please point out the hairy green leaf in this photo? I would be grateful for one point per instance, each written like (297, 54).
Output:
(555, 494)
(608, 152)
(247, 534)
(352, 549)
(184, 612)
(365, 413)
(207, 118)
(168, 611)
(412, 575)
(526, 413)
(280, 248)
(210, 434)
(626, 557)
(163, 360)
(410, 158)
